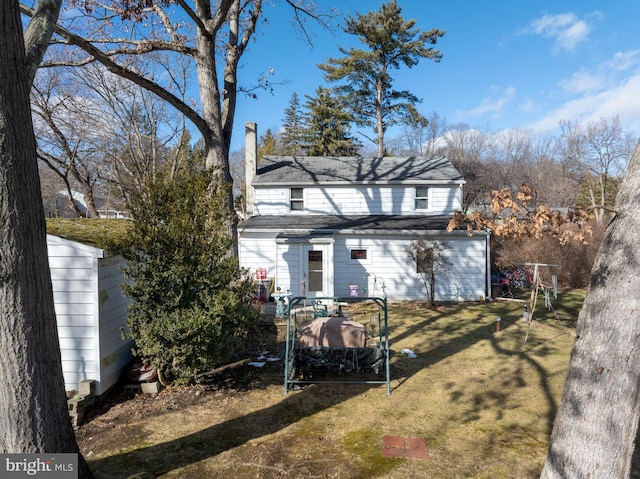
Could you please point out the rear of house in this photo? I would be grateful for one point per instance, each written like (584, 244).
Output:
(329, 226)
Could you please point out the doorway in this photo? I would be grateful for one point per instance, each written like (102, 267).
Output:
(317, 273)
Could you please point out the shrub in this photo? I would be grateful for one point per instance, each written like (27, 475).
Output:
(574, 259)
(429, 258)
(189, 308)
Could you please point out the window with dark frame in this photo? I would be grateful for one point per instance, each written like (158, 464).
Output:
(296, 199)
(359, 254)
(422, 198)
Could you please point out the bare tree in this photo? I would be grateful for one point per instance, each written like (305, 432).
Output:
(467, 150)
(66, 127)
(595, 155)
(33, 406)
(105, 135)
(430, 259)
(211, 35)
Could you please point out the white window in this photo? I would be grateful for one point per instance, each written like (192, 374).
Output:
(422, 198)
(296, 199)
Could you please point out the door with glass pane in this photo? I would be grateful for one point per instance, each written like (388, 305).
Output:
(315, 270)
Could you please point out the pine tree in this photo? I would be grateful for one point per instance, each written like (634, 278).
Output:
(292, 138)
(368, 86)
(268, 145)
(328, 126)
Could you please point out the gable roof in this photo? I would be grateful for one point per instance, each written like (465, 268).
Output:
(313, 170)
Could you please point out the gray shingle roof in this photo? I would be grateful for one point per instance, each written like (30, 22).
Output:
(324, 224)
(304, 170)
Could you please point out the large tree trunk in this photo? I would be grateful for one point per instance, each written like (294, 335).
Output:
(595, 428)
(215, 144)
(33, 407)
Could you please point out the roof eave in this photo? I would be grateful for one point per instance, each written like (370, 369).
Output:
(408, 182)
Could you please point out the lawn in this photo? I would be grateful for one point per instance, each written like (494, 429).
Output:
(482, 399)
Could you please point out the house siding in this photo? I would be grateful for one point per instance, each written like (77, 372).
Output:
(358, 200)
(388, 271)
(258, 250)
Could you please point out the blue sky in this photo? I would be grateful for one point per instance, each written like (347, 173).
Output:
(506, 64)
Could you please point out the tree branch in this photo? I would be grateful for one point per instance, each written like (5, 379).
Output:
(38, 33)
(124, 72)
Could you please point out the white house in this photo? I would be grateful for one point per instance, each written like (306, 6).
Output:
(90, 311)
(322, 225)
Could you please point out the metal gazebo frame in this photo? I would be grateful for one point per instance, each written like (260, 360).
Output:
(291, 334)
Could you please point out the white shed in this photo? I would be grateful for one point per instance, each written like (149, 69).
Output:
(91, 311)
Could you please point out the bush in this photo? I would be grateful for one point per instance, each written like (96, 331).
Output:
(574, 259)
(189, 308)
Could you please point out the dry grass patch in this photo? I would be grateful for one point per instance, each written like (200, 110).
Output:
(483, 403)
(108, 234)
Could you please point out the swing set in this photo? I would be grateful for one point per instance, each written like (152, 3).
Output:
(546, 282)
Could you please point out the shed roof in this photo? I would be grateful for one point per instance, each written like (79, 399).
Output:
(304, 170)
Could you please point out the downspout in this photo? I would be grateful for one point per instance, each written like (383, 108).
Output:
(488, 261)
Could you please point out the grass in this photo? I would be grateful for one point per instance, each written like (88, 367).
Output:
(484, 401)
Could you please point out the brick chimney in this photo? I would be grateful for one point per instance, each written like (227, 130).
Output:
(250, 163)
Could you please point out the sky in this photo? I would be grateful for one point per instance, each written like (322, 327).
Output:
(506, 64)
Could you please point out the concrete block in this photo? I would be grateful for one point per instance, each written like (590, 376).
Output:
(75, 405)
(77, 419)
(87, 387)
(132, 388)
(150, 388)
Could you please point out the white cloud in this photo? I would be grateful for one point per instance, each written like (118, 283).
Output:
(623, 61)
(494, 104)
(566, 29)
(604, 76)
(529, 106)
(621, 100)
(583, 81)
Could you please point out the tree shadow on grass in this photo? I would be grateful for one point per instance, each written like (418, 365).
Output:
(463, 335)
(159, 459)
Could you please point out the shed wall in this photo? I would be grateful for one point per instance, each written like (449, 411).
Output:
(115, 352)
(73, 277)
(90, 311)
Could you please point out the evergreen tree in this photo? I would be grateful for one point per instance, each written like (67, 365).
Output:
(292, 134)
(328, 126)
(268, 145)
(368, 86)
(188, 308)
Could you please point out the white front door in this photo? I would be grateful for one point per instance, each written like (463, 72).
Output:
(317, 271)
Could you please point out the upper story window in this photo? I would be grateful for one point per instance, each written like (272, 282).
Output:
(422, 198)
(296, 199)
